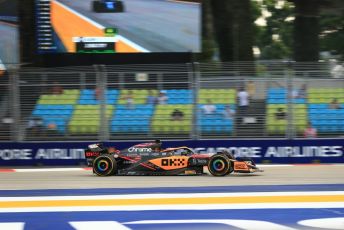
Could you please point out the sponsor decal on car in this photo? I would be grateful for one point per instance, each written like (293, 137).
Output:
(170, 163)
(92, 154)
(139, 150)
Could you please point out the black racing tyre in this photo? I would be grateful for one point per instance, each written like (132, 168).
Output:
(228, 154)
(231, 157)
(120, 6)
(96, 6)
(105, 165)
(219, 165)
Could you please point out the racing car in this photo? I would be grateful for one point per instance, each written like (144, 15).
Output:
(151, 159)
(107, 6)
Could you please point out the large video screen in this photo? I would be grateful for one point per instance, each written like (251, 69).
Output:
(118, 26)
(9, 34)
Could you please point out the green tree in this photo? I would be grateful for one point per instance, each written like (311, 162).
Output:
(278, 25)
(332, 32)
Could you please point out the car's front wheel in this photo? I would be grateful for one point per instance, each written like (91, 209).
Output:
(219, 165)
(105, 165)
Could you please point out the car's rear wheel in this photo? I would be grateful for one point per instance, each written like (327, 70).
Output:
(105, 165)
(219, 165)
(97, 6)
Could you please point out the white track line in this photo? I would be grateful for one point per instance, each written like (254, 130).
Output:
(132, 44)
(49, 170)
(172, 195)
(273, 166)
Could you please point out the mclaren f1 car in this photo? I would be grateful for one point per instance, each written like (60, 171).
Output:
(151, 159)
(107, 6)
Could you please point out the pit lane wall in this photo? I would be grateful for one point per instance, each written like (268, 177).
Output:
(262, 151)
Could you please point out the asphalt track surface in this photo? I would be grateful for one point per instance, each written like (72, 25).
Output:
(278, 175)
(289, 197)
(156, 25)
(9, 43)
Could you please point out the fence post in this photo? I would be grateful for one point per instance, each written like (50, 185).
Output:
(290, 117)
(103, 133)
(196, 86)
(16, 126)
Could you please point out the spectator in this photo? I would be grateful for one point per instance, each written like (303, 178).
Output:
(243, 100)
(251, 89)
(280, 114)
(301, 93)
(228, 113)
(57, 88)
(162, 98)
(338, 71)
(151, 99)
(209, 108)
(98, 93)
(129, 100)
(294, 93)
(52, 129)
(310, 132)
(177, 115)
(35, 126)
(334, 104)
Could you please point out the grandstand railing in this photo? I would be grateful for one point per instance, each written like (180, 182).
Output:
(116, 102)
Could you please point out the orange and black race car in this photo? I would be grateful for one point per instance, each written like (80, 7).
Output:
(151, 159)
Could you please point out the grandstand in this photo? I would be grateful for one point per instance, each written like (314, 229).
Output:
(92, 107)
(80, 112)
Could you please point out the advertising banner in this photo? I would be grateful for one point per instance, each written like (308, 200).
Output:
(262, 151)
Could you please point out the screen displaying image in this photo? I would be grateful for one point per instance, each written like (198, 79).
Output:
(118, 26)
(9, 34)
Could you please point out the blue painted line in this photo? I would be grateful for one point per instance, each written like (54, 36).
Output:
(208, 189)
(60, 220)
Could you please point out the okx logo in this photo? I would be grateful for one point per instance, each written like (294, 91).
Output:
(173, 162)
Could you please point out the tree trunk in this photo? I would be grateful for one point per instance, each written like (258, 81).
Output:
(306, 30)
(223, 28)
(233, 28)
(208, 43)
(242, 31)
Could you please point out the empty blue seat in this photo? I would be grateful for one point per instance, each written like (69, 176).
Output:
(276, 96)
(299, 101)
(87, 91)
(277, 91)
(277, 101)
(318, 106)
(112, 92)
(135, 120)
(86, 97)
(89, 102)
